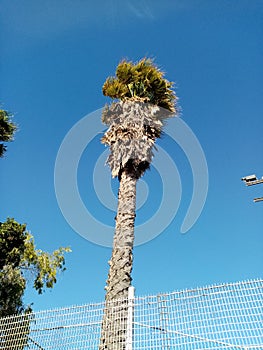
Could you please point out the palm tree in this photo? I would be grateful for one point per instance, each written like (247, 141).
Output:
(7, 130)
(143, 98)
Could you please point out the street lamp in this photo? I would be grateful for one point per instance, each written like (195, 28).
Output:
(251, 180)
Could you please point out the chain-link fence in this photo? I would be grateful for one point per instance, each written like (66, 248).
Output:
(227, 316)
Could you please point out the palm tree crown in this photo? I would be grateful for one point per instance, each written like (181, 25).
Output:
(146, 99)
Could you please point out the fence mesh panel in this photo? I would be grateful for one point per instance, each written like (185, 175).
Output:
(227, 316)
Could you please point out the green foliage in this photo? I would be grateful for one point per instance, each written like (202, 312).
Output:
(12, 286)
(45, 264)
(141, 81)
(7, 130)
(20, 258)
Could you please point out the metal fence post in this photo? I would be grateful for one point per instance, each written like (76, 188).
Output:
(130, 318)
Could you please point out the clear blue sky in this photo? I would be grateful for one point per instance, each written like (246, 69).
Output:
(55, 56)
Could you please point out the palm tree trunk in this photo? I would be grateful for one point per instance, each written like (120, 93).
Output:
(114, 325)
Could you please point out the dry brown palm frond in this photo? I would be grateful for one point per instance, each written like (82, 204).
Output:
(133, 129)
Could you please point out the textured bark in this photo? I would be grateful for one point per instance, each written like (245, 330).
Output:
(114, 326)
(119, 278)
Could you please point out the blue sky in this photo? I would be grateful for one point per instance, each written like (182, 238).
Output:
(55, 56)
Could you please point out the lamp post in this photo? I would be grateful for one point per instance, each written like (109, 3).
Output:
(251, 180)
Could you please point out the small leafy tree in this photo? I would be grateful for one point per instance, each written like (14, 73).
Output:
(7, 130)
(20, 263)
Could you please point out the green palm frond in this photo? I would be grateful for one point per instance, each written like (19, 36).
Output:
(143, 81)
